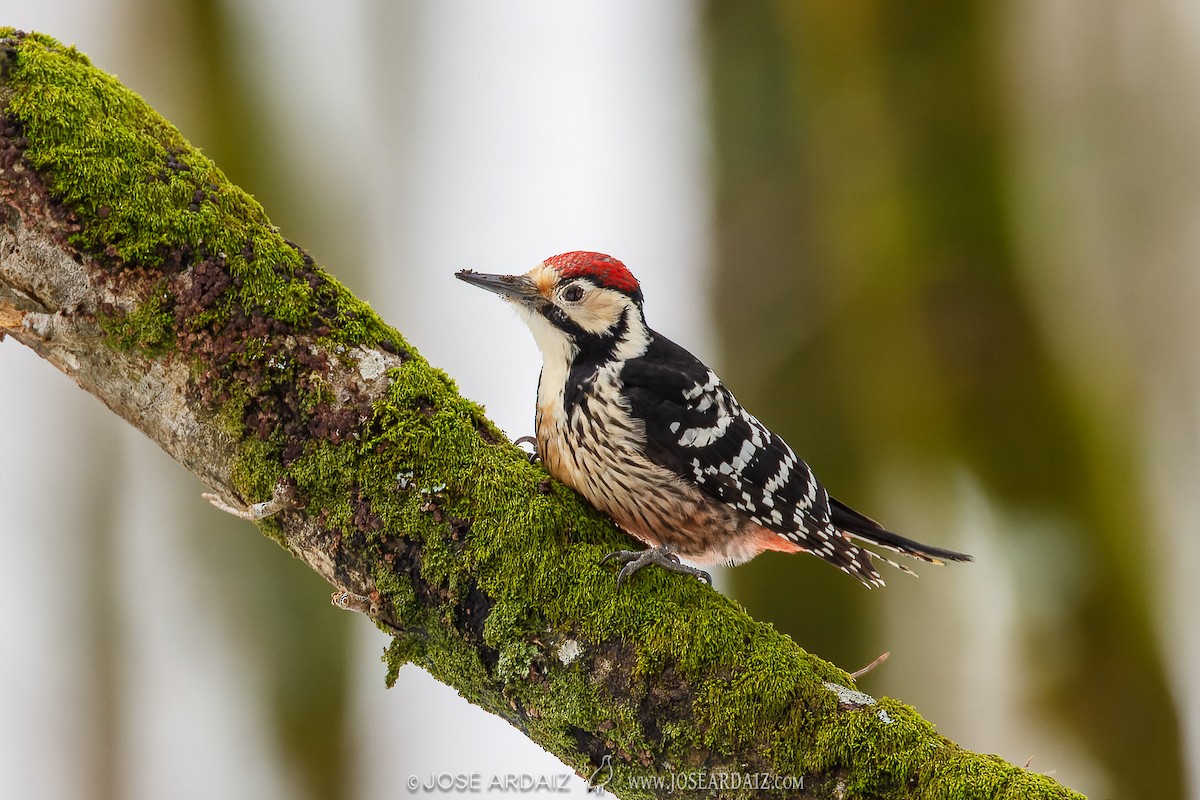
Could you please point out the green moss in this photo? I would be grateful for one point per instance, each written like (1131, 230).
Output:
(515, 660)
(146, 199)
(398, 589)
(262, 326)
(402, 650)
(148, 329)
(133, 175)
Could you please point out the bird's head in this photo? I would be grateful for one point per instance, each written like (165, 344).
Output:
(585, 302)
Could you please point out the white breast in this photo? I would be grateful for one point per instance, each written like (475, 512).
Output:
(596, 448)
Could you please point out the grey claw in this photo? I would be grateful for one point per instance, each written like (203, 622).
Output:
(663, 556)
(534, 457)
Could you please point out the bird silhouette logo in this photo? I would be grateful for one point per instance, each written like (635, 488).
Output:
(601, 777)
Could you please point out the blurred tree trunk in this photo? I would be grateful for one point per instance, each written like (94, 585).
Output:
(871, 312)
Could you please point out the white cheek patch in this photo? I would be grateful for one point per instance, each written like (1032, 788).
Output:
(598, 312)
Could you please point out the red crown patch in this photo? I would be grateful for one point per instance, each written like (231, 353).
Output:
(605, 270)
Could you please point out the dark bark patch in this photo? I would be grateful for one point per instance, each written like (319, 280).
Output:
(470, 616)
(589, 744)
(667, 699)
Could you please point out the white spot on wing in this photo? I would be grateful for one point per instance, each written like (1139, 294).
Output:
(745, 456)
(703, 437)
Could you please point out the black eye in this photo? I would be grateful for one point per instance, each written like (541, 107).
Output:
(573, 293)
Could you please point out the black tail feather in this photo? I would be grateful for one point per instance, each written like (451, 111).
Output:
(868, 530)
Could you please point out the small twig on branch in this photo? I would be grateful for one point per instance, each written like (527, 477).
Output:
(860, 672)
(282, 498)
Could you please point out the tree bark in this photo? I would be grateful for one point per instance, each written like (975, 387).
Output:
(131, 264)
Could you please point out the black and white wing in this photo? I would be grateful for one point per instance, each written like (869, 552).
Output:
(697, 429)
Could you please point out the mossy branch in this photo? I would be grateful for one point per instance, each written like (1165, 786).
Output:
(129, 262)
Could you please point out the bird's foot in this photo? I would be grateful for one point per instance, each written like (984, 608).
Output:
(663, 556)
(532, 442)
(282, 498)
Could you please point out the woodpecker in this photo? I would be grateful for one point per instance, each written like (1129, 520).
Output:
(650, 436)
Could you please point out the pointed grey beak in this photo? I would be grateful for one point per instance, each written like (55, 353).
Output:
(516, 287)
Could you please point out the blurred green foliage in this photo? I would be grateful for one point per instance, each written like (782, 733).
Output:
(872, 311)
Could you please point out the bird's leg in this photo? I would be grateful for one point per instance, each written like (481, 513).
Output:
(663, 555)
(532, 442)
